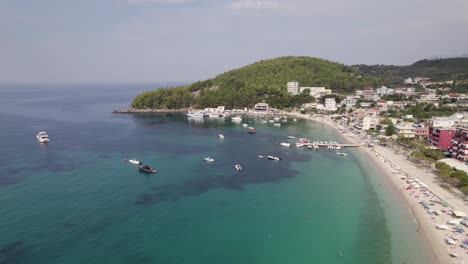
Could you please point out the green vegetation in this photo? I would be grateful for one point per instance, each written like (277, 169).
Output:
(421, 150)
(263, 81)
(390, 130)
(438, 70)
(457, 178)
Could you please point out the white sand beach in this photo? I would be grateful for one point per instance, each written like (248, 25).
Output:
(397, 170)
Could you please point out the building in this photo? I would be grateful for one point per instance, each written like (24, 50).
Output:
(330, 104)
(381, 103)
(408, 81)
(263, 107)
(382, 90)
(421, 131)
(459, 148)
(441, 137)
(293, 87)
(405, 130)
(313, 90)
(348, 101)
(365, 104)
(441, 121)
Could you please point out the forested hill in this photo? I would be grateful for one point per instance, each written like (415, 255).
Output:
(266, 81)
(437, 70)
(261, 81)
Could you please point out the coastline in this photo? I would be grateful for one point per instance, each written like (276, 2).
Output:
(386, 162)
(130, 110)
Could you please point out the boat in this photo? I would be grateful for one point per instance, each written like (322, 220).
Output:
(271, 121)
(264, 121)
(450, 241)
(236, 118)
(238, 167)
(199, 114)
(147, 169)
(245, 125)
(274, 158)
(208, 159)
(277, 124)
(302, 142)
(342, 154)
(42, 137)
(221, 136)
(251, 130)
(337, 147)
(260, 156)
(294, 120)
(276, 119)
(291, 137)
(454, 255)
(442, 227)
(285, 144)
(134, 161)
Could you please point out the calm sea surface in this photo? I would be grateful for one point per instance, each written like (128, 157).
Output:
(76, 201)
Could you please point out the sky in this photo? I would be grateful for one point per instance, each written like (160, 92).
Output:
(189, 40)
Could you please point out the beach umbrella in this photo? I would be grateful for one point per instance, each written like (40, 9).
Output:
(459, 214)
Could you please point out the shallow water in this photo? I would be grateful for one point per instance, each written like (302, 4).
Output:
(76, 201)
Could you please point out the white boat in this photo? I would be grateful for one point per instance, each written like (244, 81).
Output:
(442, 227)
(245, 125)
(302, 142)
(238, 167)
(214, 115)
(134, 161)
(264, 121)
(199, 114)
(260, 156)
(208, 159)
(295, 120)
(276, 119)
(236, 118)
(42, 137)
(274, 158)
(342, 154)
(285, 144)
(271, 121)
(221, 136)
(454, 255)
(291, 137)
(337, 147)
(276, 124)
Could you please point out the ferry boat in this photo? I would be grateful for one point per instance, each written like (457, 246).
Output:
(302, 142)
(147, 169)
(42, 137)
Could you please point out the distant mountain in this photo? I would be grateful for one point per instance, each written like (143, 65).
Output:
(266, 81)
(464, 55)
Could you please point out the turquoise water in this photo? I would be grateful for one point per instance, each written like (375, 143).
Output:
(76, 201)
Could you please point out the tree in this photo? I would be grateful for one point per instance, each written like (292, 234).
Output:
(390, 130)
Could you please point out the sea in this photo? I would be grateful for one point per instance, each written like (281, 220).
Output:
(76, 200)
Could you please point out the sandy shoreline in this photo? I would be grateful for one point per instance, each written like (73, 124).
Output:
(387, 161)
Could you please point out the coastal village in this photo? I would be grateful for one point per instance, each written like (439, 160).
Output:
(426, 159)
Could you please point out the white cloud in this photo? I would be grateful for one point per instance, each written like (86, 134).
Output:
(253, 4)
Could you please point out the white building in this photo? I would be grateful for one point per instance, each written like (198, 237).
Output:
(382, 90)
(408, 81)
(314, 91)
(366, 123)
(293, 87)
(365, 104)
(441, 122)
(348, 101)
(405, 130)
(330, 104)
(261, 107)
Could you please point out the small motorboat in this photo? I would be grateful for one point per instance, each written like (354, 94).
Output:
(251, 130)
(245, 125)
(291, 137)
(295, 120)
(274, 158)
(342, 154)
(208, 159)
(238, 167)
(260, 156)
(277, 124)
(221, 136)
(134, 161)
(285, 144)
(147, 169)
(42, 137)
(236, 118)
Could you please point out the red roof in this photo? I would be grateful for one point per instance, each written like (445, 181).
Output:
(454, 95)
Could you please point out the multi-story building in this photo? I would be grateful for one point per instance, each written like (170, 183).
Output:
(441, 121)
(330, 104)
(348, 101)
(293, 87)
(405, 130)
(421, 131)
(314, 91)
(459, 148)
(441, 137)
(382, 90)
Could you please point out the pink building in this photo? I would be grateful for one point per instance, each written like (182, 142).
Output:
(441, 137)
(421, 131)
(459, 148)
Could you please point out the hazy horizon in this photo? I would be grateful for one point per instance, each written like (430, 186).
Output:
(167, 41)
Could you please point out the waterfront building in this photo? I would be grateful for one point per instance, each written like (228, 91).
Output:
(405, 130)
(293, 87)
(441, 137)
(330, 104)
(459, 148)
(263, 107)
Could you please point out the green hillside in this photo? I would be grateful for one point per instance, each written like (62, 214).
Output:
(438, 70)
(261, 81)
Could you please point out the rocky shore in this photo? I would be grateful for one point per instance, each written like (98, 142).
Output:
(131, 110)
